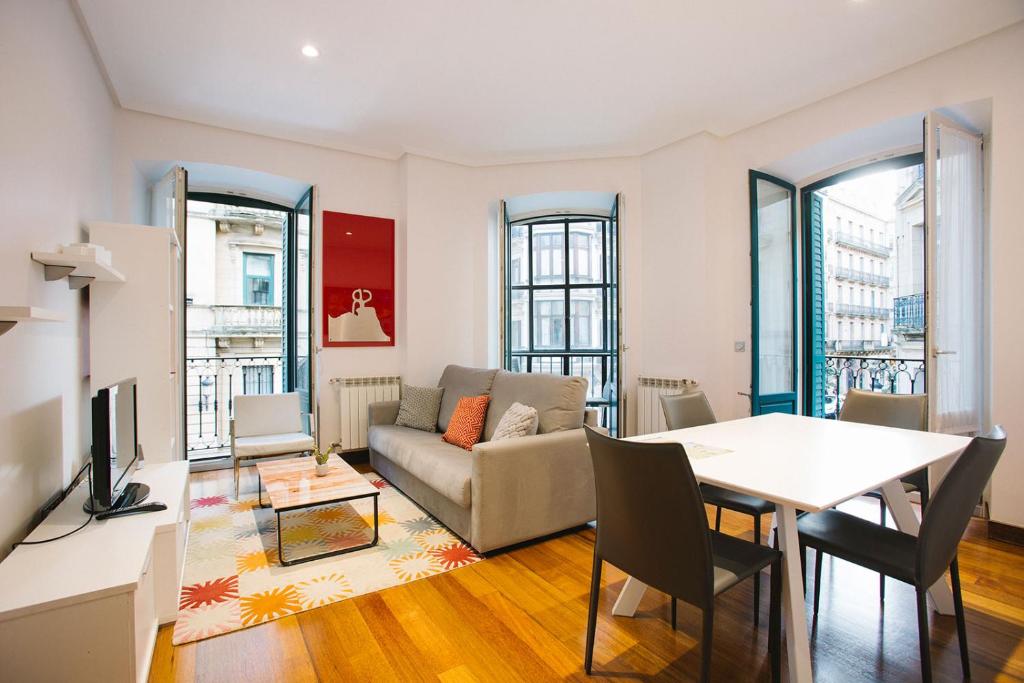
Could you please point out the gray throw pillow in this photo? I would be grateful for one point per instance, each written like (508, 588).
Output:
(419, 407)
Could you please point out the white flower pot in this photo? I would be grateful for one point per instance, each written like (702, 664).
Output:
(322, 470)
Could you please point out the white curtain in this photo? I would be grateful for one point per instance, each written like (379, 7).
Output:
(957, 327)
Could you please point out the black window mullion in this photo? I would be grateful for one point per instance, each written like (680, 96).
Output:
(566, 312)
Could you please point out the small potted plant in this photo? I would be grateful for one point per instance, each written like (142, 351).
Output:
(322, 468)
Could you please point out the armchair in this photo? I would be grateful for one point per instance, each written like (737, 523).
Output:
(267, 425)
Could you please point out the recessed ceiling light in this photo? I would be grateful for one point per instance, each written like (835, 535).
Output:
(310, 51)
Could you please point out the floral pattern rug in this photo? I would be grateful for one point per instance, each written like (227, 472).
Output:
(233, 580)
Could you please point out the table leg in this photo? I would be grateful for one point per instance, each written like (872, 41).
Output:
(793, 611)
(629, 598)
(898, 502)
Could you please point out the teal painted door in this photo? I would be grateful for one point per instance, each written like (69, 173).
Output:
(773, 384)
(814, 293)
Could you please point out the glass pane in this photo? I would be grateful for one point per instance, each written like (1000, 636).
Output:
(257, 265)
(593, 369)
(549, 319)
(585, 252)
(548, 253)
(774, 289)
(586, 318)
(518, 253)
(519, 321)
(303, 285)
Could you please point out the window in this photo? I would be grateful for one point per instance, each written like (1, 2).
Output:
(258, 379)
(557, 311)
(258, 274)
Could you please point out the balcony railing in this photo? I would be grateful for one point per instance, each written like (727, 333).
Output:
(854, 242)
(859, 311)
(908, 312)
(881, 375)
(210, 389)
(236, 321)
(864, 276)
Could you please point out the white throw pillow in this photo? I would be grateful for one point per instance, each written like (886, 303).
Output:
(518, 420)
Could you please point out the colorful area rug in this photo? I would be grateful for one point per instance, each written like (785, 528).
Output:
(233, 580)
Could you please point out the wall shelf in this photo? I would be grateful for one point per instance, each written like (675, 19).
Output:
(12, 315)
(80, 266)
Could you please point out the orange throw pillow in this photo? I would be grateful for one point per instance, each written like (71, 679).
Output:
(467, 421)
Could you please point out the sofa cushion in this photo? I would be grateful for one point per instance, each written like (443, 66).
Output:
(560, 401)
(443, 467)
(467, 423)
(458, 381)
(419, 407)
(272, 444)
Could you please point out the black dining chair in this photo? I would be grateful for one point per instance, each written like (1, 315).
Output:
(904, 411)
(693, 410)
(651, 524)
(918, 560)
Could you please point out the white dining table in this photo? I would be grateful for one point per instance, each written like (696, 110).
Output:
(808, 464)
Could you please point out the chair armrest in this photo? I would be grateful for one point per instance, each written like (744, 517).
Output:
(383, 412)
(590, 417)
(529, 487)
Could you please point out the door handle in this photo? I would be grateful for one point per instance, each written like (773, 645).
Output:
(743, 393)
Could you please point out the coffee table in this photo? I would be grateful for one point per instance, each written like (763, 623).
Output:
(294, 485)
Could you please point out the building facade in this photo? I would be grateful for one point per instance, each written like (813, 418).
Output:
(233, 315)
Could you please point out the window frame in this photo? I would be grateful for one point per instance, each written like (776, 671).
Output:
(246, 290)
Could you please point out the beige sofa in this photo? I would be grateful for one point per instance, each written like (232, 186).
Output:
(501, 492)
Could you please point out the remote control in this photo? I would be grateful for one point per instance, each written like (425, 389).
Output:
(132, 510)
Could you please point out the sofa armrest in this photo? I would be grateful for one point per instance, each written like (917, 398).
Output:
(529, 487)
(383, 412)
(590, 417)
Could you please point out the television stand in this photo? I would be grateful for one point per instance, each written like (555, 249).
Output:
(133, 494)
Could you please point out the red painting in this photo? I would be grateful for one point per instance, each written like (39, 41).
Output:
(359, 280)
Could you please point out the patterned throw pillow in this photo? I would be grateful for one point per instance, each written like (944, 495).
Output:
(467, 421)
(518, 420)
(419, 407)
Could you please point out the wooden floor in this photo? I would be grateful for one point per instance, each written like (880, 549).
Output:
(521, 616)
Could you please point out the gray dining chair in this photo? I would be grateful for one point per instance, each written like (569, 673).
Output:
(651, 524)
(693, 410)
(918, 560)
(904, 411)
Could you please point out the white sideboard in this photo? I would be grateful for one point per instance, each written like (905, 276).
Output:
(87, 607)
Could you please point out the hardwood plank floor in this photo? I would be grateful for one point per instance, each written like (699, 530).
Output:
(521, 616)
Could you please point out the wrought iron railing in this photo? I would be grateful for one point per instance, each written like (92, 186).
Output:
(864, 276)
(908, 312)
(855, 242)
(883, 375)
(211, 384)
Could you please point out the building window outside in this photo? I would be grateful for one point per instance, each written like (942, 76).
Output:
(258, 276)
(257, 379)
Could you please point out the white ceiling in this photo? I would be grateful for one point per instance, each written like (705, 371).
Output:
(491, 81)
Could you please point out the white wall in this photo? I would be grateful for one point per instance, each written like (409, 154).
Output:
(56, 136)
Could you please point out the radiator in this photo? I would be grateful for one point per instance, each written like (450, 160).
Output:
(355, 394)
(650, 418)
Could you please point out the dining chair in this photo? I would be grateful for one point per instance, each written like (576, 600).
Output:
(918, 560)
(265, 426)
(693, 410)
(904, 411)
(652, 525)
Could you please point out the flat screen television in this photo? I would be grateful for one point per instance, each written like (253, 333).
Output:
(115, 448)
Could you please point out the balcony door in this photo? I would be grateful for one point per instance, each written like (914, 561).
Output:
(248, 292)
(773, 385)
